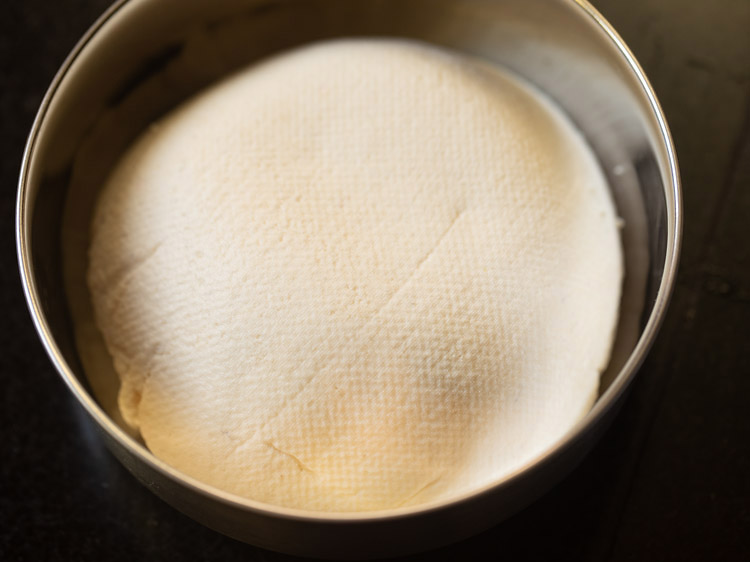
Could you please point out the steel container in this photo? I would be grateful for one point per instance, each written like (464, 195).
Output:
(142, 57)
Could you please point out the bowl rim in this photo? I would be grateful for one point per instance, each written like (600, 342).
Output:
(601, 407)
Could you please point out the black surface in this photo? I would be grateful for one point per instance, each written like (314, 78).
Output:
(669, 481)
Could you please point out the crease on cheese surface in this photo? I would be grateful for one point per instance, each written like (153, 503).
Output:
(359, 275)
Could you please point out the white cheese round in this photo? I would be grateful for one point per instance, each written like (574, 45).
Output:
(361, 275)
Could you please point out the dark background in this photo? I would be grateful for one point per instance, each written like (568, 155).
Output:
(669, 481)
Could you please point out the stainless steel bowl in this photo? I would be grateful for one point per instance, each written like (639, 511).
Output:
(144, 56)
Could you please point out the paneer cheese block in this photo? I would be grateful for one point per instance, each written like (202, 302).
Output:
(360, 275)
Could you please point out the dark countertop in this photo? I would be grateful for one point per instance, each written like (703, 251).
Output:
(669, 481)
